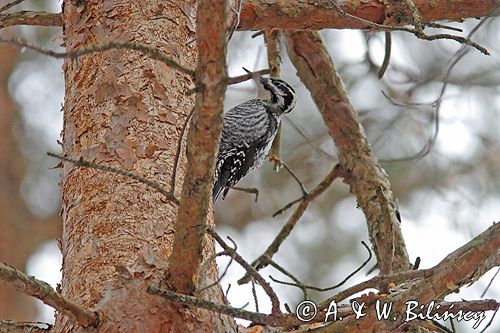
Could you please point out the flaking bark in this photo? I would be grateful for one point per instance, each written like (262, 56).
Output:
(366, 177)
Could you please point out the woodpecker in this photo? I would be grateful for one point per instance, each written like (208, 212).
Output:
(248, 130)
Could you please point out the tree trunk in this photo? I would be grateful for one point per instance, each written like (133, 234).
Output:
(126, 110)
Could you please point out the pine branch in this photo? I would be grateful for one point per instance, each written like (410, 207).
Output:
(30, 286)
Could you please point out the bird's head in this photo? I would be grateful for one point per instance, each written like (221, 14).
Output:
(276, 92)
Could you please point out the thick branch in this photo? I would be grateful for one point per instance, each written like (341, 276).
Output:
(44, 292)
(202, 141)
(31, 18)
(366, 177)
(463, 266)
(317, 15)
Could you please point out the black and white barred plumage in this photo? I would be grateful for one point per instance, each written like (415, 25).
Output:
(248, 131)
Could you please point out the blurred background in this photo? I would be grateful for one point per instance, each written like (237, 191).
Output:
(448, 187)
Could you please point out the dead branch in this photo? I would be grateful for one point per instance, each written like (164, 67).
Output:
(231, 254)
(418, 31)
(9, 326)
(378, 282)
(44, 292)
(316, 69)
(436, 104)
(480, 254)
(248, 76)
(10, 4)
(252, 272)
(211, 73)
(250, 190)
(86, 164)
(152, 52)
(234, 80)
(305, 200)
(179, 151)
(272, 40)
(30, 18)
(303, 286)
(463, 266)
(275, 320)
(200, 303)
(387, 55)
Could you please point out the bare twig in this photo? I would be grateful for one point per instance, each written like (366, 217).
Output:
(416, 264)
(436, 104)
(491, 321)
(251, 271)
(418, 32)
(308, 140)
(280, 320)
(298, 283)
(178, 153)
(10, 4)
(30, 18)
(490, 283)
(231, 254)
(248, 76)
(200, 303)
(341, 283)
(288, 227)
(236, 19)
(443, 26)
(44, 292)
(387, 55)
(234, 80)
(301, 185)
(379, 281)
(152, 52)
(254, 295)
(86, 164)
(247, 190)
(415, 13)
(287, 206)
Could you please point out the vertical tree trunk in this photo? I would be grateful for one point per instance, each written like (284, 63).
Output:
(126, 110)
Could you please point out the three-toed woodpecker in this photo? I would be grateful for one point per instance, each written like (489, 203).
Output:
(248, 131)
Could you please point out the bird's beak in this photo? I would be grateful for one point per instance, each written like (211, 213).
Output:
(255, 78)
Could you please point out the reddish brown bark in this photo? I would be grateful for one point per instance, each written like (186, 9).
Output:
(192, 220)
(125, 110)
(368, 181)
(311, 15)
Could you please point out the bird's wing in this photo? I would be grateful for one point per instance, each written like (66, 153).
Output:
(245, 130)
